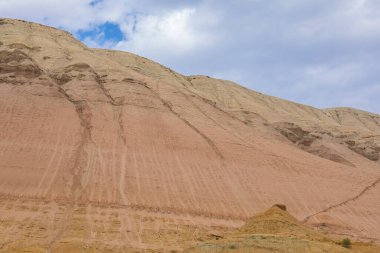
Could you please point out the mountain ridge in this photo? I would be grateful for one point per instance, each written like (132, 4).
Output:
(108, 149)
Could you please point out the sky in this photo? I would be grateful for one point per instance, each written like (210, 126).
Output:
(324, 53)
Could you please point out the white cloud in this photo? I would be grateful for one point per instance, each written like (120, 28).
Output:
(316, 52)
(347, 19)
(324, 76)
(72, 15)
(164, 36)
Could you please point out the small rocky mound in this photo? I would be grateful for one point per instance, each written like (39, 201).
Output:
(278, 221)
(276, 231)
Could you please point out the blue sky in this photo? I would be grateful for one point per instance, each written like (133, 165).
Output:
(102, 34)
(321, 53)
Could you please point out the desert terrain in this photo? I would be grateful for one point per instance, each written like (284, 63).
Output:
(107, 151)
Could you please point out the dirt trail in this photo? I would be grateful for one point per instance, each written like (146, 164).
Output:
(356, 197)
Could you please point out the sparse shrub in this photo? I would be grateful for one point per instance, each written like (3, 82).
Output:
(232, 246)
(346, 243)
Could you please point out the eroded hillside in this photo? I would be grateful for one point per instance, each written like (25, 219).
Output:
(106, 150)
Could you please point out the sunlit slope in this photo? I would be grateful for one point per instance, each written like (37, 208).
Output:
(110, 149)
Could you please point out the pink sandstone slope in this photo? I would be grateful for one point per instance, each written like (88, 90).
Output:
(108, 150)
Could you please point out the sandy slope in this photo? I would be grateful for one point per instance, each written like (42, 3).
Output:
(108, 150)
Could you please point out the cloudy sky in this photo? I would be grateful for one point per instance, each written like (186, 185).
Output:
(324, 53)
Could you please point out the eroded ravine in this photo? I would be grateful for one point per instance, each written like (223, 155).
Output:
(117, 106)
(169, 106)
(84, 162)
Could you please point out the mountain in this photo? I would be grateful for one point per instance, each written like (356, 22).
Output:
(103, 150)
